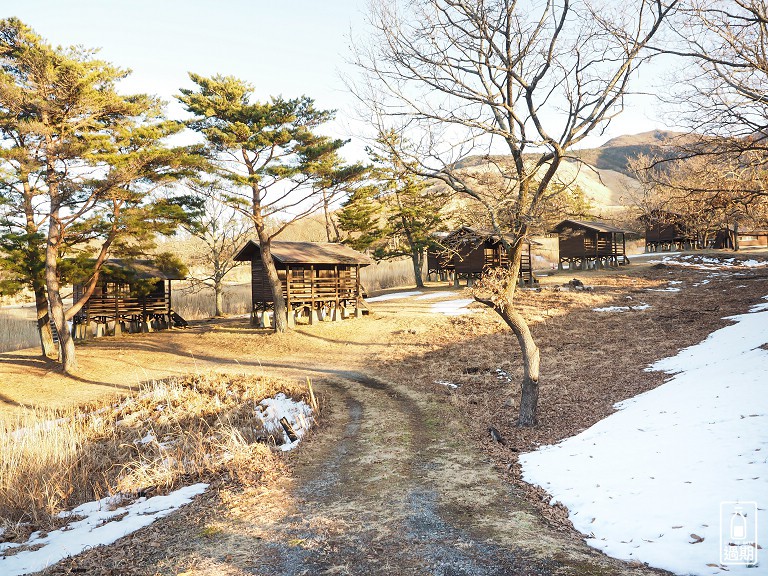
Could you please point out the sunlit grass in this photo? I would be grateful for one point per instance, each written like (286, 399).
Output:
(166, 434)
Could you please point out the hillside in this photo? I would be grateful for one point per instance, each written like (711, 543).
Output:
(602, 176)
(606, 191)
(615, 154)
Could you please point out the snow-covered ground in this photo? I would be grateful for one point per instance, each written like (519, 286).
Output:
(102, 523)
(647, 482)
(393, 296)
(298, 414)
(453, 307)
(708, 263)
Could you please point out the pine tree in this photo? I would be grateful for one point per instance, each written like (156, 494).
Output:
(398, 216)
(81, 160)
(270, 152)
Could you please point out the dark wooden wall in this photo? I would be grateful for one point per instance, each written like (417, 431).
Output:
(572, 243)
(112, 300)
(469, 260)
(306, 284)
(260, 290)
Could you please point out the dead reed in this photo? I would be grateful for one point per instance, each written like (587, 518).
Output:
(198, 304)
(170, 432)
(17, 330)
(387, 274)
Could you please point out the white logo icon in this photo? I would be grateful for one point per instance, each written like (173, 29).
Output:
(738, 533)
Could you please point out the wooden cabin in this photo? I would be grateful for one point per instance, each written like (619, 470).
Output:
(589, 245)
(439, 258)
(727, 237)
(753, 238)
(321, 281)
(130, 296)
(667, 231)
(467, 252)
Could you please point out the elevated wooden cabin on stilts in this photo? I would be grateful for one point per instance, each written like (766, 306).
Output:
(588, 245)
(666, 230)
(467, 252)
(735, 237)
(130, 296)
(321, 281)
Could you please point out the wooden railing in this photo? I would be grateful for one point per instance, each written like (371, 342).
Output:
(118, 306)
(323, 289)
(604, 248)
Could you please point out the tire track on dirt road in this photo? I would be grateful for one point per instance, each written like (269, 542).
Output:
(388, 485)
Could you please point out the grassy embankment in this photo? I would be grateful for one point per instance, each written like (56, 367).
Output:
(167, 434)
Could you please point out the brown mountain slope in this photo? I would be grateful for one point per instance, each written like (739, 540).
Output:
(615, 154)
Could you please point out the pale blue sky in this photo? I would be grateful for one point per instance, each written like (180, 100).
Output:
(288, 47)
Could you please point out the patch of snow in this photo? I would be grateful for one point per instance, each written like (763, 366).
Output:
(447, 383)
(647, 479)
(502, 375)
(432, 295)
(668, 289)
(393, 296)
(453, 307)
(652, 254)
(298, 414)
(146, 440)
(44, 426)
(637, 308)
(103, 524)
(708, 263)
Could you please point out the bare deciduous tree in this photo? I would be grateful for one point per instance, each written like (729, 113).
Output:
(720, 93)
(221, 231)
(722, 89)
(528, 79)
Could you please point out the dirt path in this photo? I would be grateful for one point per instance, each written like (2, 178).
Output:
(389, 486)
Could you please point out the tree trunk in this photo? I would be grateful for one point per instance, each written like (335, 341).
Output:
(327, 213)
(529, 398)
(281, 317)
(44, 324)
(218, 291)
(55, 303)
(417, 257)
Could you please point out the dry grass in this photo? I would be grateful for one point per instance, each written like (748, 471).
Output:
(17, 329)
(198, 304)
(387, 274)
(169, 433)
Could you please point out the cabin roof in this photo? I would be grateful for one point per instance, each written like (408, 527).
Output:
(306, 253)
(591, 225)
(484, 234)
(137, 269)
(142, 269)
